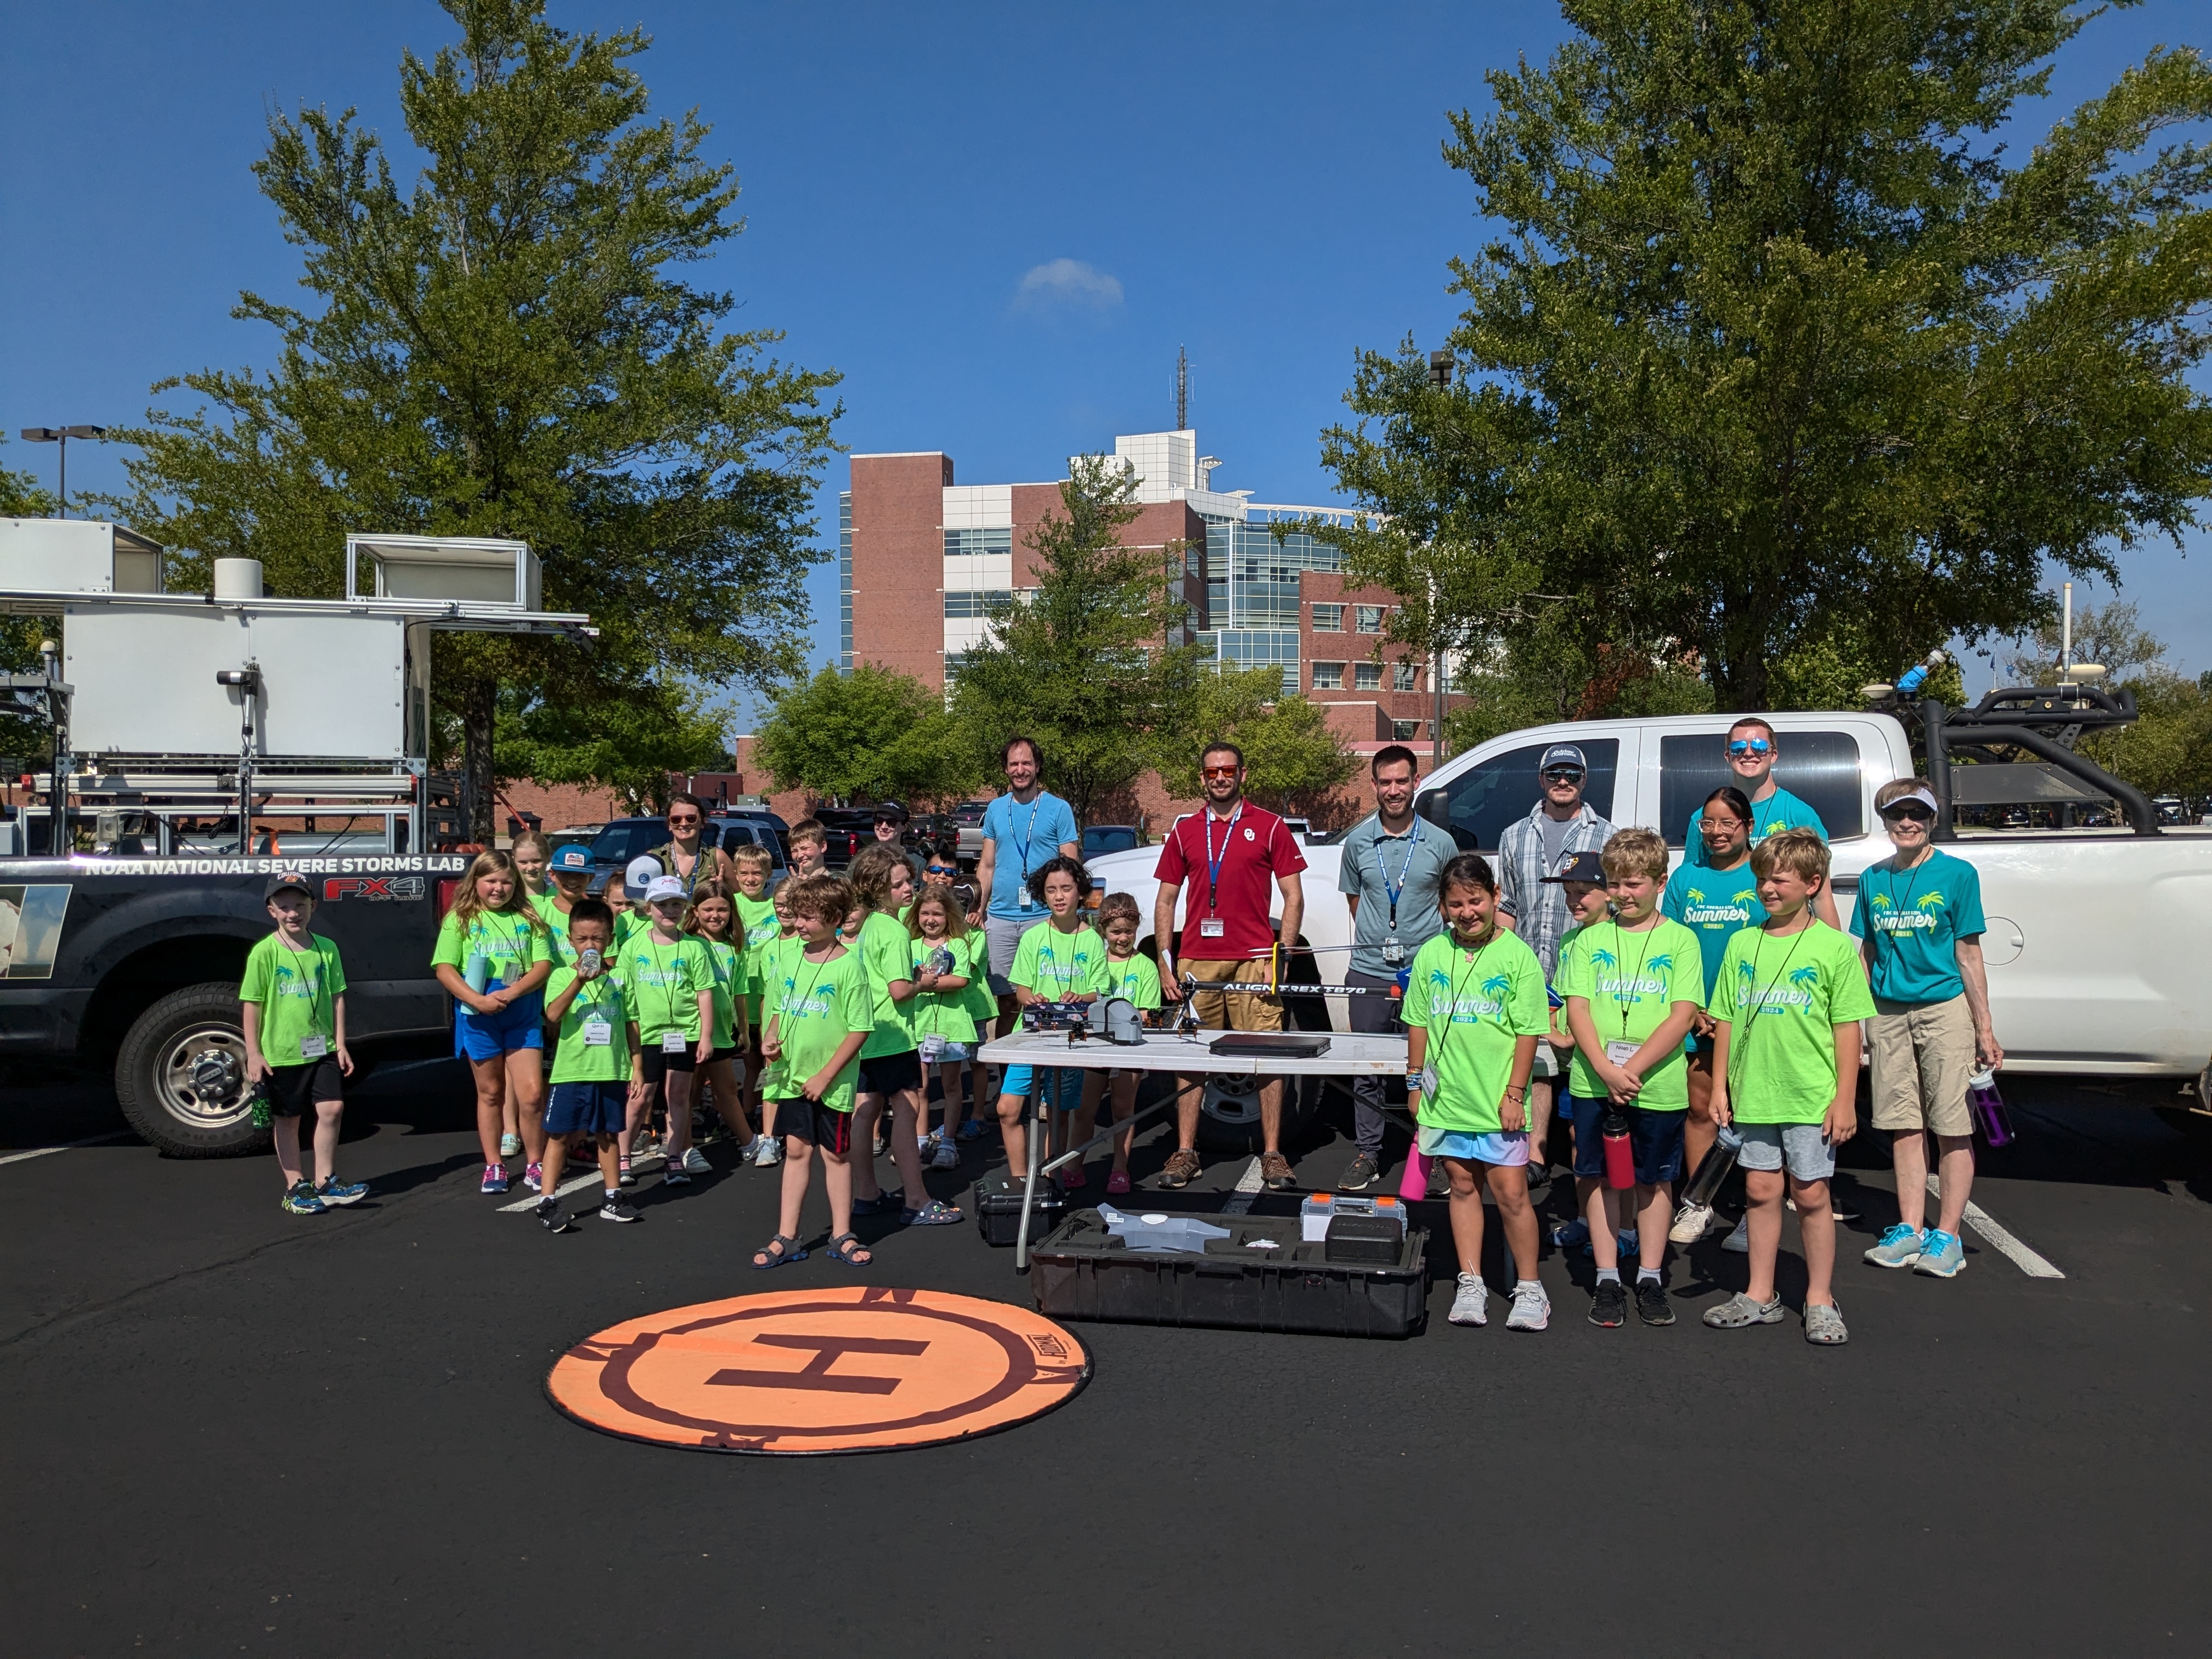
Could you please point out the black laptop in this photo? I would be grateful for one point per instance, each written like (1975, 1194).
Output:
(1279, 1045)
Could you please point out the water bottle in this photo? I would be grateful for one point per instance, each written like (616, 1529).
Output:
(1619, 1160)
(477, 973)
(1414, 1185)
(1989, 1108)
(1713, 1167)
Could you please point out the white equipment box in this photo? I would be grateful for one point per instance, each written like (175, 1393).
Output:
(77, 556)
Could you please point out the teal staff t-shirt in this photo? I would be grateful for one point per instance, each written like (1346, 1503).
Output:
(1779, 810)
(1715, 905)
(1917, 917)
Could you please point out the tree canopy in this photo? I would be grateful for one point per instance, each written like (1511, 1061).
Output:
(21, 739)
(505, 349)
(1293, 759)
(874, 732)
(1775, 359)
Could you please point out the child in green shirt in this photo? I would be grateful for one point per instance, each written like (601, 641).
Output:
(293, 995)
(1136, 979)
(1786, 1006)
(671, 987)
(599, 1073)
(756, 927)
(943, 954)
(493, 955)
(818, 1018)
(1058, 960)
(890, 1061)
(713, 920)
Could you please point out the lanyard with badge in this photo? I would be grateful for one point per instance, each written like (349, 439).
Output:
(1211, 926)
(313, 1045)
(1759, 996)
(673, 1041)
(1624, 1049)
(1023, 897)
(1393, 952)
(598, 1030)
(1451, 1014)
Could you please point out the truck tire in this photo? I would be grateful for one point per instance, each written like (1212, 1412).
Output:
(180, 1075)
(1229, 1119)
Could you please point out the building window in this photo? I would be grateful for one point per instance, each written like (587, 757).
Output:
(1405, 676)
(1371, 618)
(1328, 677)
(1328, 618)
(1367, 677)
(977, 602)
(963, 543)
(1404, 731)
(845, 580)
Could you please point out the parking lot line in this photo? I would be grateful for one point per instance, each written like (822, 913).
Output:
(1247, 1186)
(1983, 1222)
(577, 1183)
(44, 1151)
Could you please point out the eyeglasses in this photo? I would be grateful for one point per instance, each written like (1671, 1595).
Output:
(1712, 826)
(1563, 775)
(1739, 747)
(1220, 771)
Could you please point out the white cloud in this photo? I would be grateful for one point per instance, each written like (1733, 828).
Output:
(1067, 285)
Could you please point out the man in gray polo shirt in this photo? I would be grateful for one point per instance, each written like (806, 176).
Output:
(1388, 872)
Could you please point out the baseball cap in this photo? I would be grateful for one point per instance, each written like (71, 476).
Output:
(574, 856)
(286, 881)
(1564, 754)
(1579, 867)
(663, 887)
(891, 812)
(644, 870)
(1919, 795)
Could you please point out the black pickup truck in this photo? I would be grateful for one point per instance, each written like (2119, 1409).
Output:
(137, 960)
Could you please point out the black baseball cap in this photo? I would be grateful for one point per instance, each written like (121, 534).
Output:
(1564, 755)
(890, 813)
(1580, 867)
(286, 882)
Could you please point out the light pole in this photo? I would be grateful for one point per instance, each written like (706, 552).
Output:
(61, 436)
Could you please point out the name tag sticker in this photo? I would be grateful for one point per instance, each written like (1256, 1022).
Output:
(674, 1042)
(1622, 1052)
(314, 1046)
(598, 1034)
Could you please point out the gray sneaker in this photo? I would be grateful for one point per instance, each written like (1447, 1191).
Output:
(1900, 1247)
(1532, 1309)
(1740, 1240)
(1471, 1304)
(1359, 1174)
(1740, 1311)
(1943, 1256)
(1824, 1325)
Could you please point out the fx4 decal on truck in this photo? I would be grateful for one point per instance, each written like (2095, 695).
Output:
(386, 888)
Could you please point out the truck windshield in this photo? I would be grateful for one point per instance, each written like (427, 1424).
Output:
(1821, 768)
(1487, 797)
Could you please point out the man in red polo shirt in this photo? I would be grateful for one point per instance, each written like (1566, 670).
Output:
(1227, 855)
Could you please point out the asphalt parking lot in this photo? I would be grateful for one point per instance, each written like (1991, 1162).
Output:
(228, 1430)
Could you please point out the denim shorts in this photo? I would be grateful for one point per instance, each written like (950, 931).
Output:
(1654, 1137)
(1803, 1148)
(487, 1037)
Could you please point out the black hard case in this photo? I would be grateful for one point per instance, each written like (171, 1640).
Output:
(998, 1200)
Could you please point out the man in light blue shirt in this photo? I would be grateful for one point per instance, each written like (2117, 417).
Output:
(1023, 829)
(1752, 748)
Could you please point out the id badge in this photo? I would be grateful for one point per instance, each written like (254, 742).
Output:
(314, 1046)
(1622, 1052)
(674, 1042)
(1212, 927)
(1393, 953)
(1428, 1083)
(598, 1034)
(1028, 902)
(932, 1049)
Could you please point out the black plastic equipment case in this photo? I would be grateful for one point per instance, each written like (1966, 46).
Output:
(998, 1209)
(1368, 1239)
(1081, 1271)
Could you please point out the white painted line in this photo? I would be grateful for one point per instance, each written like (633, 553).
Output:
(45, 1151)
(1248, 1185)
(1987, 1225)
(577, 1183)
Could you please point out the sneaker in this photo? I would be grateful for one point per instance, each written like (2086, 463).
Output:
(676, 1174)
(1740, 1240)
(1471, 1302)
(617, 1209)
(533, 1177)
(884, 1203)
(1532, 1309)
(1740, 1311)
(1571, 1235)
(1182, 1168)
(696, 1161)
(771, 1153)
(509, 1145)
(1118, 1182)
(628, 1178)
(335, 1191)
(882, 1143)
(300, 1200)
(494, 1178)
(971, 1130)
(946, 1157)
(1276, 1174)
(1652, 1306)
(1943, 1256)
(1358, 1175)
(1899, 1246)
(1690, 1223)
(550, 1215)
(1609, 1304)
(1824, 1325)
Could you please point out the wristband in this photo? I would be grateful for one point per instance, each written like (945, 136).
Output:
(1413, 1082)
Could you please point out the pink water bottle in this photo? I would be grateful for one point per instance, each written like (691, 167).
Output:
(1619, 1160)
(1989, 1108)
(1414, 1185)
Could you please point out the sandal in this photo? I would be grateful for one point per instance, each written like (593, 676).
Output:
(884, 1203)
(777, 1251)
(1824, 1325)
(935, 1213)
(849, 1250)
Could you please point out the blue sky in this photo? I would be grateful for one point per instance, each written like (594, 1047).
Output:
(998, 222)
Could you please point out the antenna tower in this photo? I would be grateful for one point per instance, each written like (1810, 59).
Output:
(1182, 391)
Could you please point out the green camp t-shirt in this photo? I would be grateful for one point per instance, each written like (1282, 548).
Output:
(1053, 966)
(505, 938)
(817, 1006)
(884, 955)
(1475, 1006)
(1778, 811)
(756, 921)
(1784, 998)
(599, 1001)
(771, 979)
(298, 992)
(1632, 981)
(1918, 916)
(664, 980)
(733, 980)
(946, 1014)
(1715, 905)
(1134, 978)
(556, 927)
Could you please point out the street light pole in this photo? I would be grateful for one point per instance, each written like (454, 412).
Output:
(60, 436)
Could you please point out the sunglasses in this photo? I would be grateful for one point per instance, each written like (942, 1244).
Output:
(1563, 775)
(1220, 771)
(1742, 746)
(1915, 811)
(686, 817)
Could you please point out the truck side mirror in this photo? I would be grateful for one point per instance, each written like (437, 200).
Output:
(1436, 806)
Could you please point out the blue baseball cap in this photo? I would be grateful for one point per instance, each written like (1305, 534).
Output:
(574, 856)
(1564, 754)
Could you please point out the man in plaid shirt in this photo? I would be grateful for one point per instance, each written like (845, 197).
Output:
(1532, 847)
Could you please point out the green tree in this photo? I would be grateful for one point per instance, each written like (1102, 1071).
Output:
(2113, 636)
(505, 349)
(874, 732)
(1084, 663)
(2168, 750)
(23, 740)
(627, 738)
(1772, 335)
(1293, 759)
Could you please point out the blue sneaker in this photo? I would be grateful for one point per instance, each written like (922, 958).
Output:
(300, 1200)
(1629, 1242)
(1942, 1255)
(1899, 1246)
(1571, 1235)
(335, 1191)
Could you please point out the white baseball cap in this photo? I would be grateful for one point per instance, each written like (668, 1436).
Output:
(643, 871)
(662, 888)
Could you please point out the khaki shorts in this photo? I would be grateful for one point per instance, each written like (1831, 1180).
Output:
(1922, 1056)
(1247, 1011)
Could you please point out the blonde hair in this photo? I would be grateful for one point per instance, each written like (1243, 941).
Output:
(1801, 852)
(466, 906)
(956, 919)
(531, 838)
(1634, 853)
(753, 853)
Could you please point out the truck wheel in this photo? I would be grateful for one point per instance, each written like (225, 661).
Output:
(1229, 1119)
(180, 1075)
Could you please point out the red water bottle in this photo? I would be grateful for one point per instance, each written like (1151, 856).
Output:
(1619, 1160)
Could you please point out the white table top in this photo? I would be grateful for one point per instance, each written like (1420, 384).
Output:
(1348, 1056)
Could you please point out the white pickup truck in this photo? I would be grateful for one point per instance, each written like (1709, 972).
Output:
(2095, 940)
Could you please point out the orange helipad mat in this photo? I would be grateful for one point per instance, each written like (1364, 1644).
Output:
(849, 1368)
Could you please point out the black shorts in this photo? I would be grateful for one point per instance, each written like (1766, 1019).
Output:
(886, 1074)
(659, 1065)
(810, 1119)
(293, 1089)
(721, 1054)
